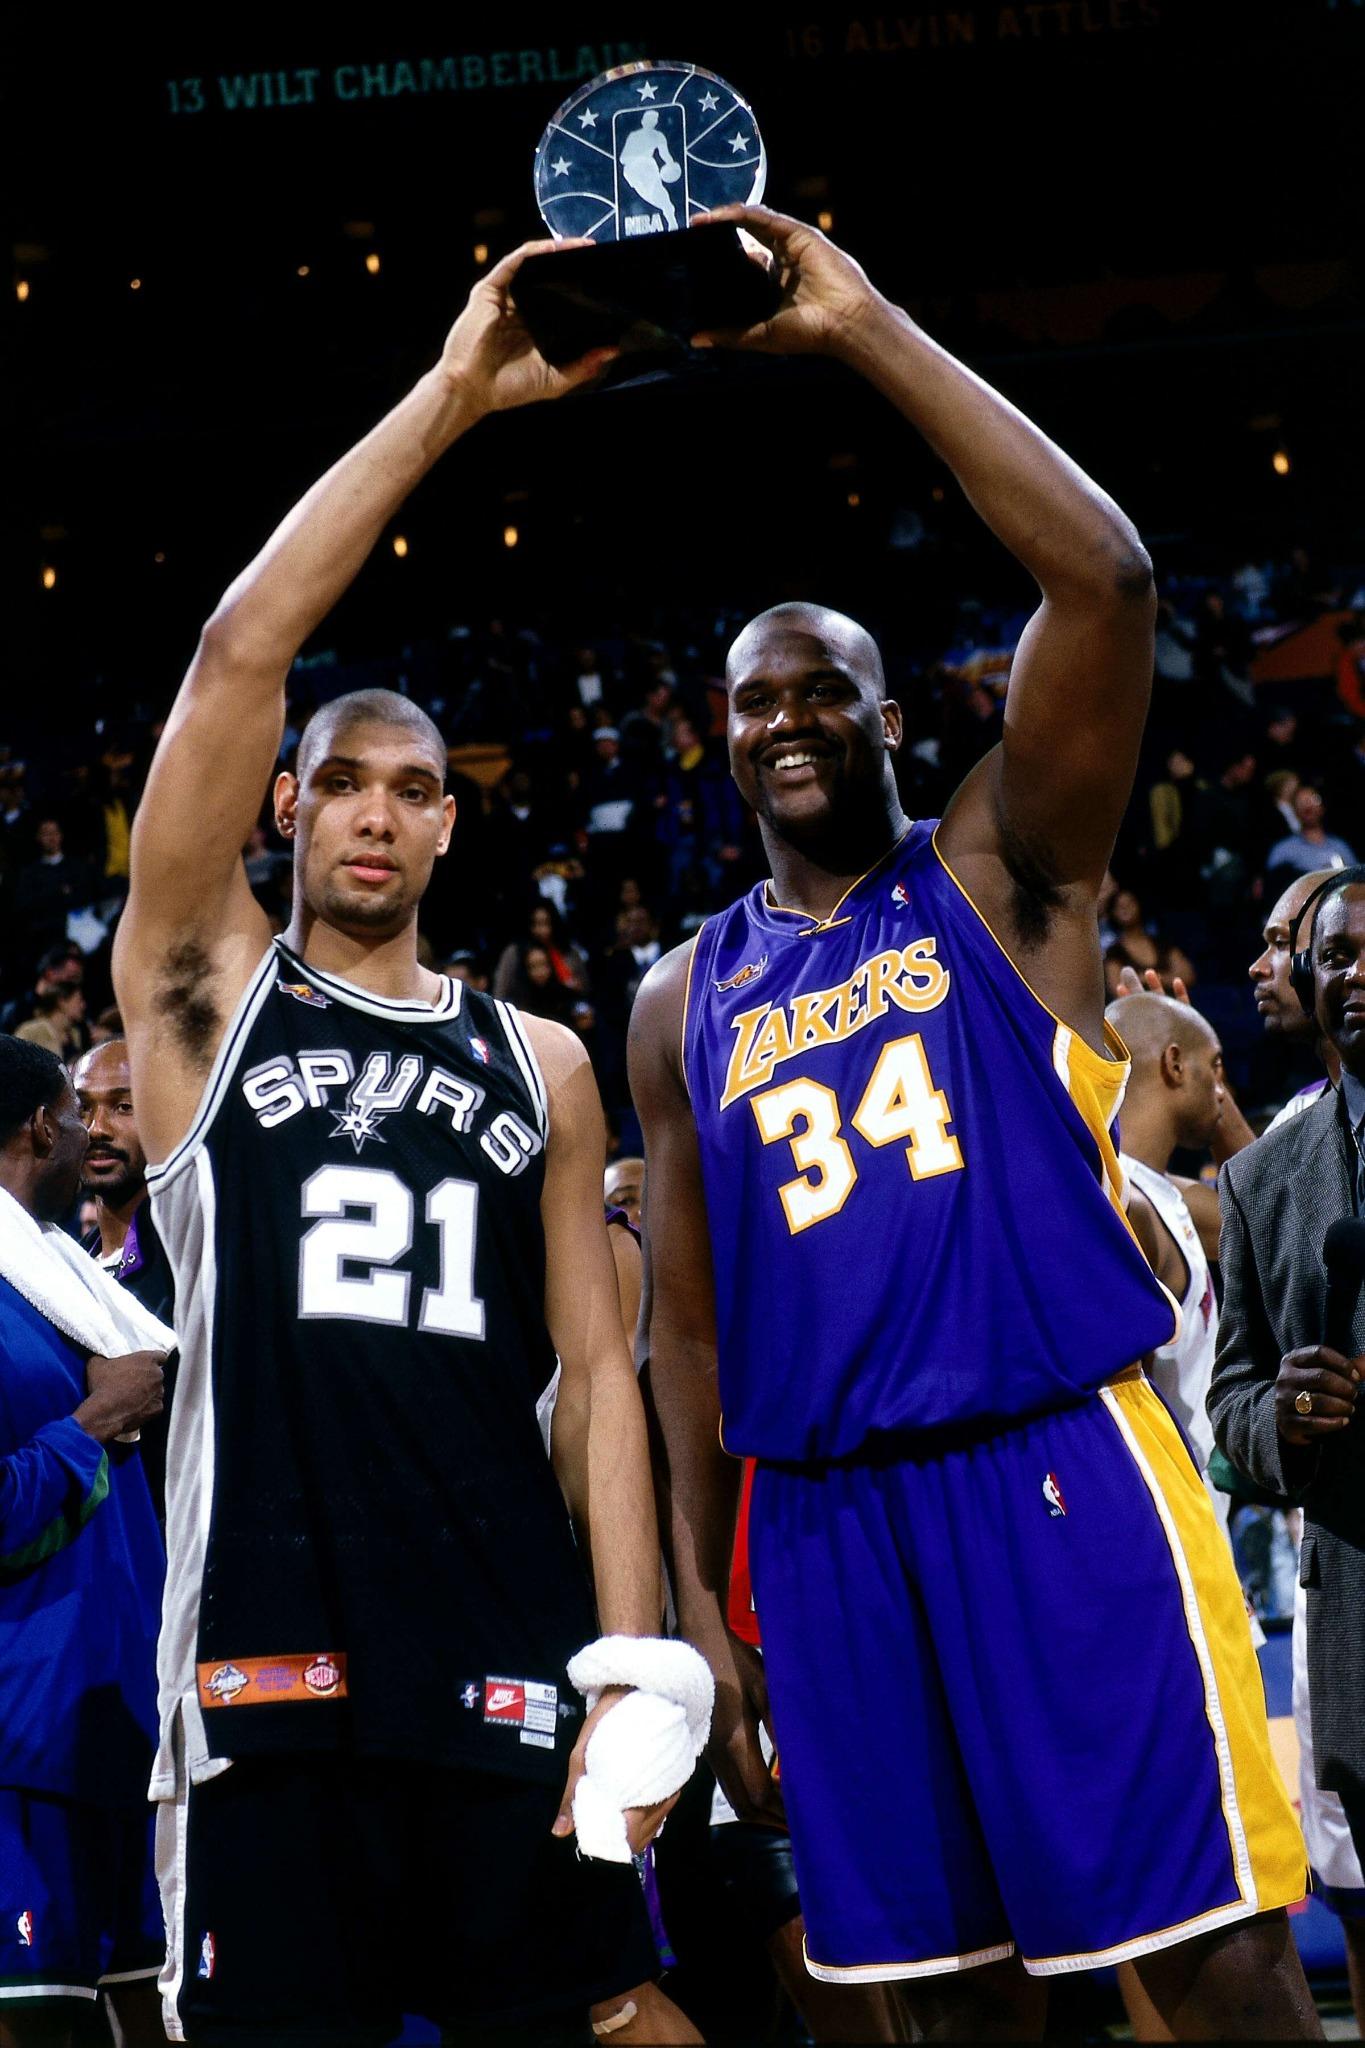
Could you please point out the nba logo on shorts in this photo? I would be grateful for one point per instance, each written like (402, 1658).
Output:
(25, 1926)
(1052, 1494)
(208, 1956)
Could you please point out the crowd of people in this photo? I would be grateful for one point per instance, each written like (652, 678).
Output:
(597, 823)
(456, 1592)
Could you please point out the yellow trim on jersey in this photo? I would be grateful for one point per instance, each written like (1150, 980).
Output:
(687, 1001)
(1095, 1084)
(823, 924)
(1263, 1835)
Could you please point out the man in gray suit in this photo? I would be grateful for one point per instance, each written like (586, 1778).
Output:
(1283, 1403)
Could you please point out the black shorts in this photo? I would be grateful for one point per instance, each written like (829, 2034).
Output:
(320, 1899)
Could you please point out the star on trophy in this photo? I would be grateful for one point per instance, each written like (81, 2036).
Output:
(629, 161)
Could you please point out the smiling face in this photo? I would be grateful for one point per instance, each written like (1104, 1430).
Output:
(1339, 973)
(368, 820)
(811, 730)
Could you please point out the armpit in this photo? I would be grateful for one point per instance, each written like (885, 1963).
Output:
(185, 999)
(1035, 890)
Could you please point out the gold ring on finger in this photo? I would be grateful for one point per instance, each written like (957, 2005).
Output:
(1303, 1402)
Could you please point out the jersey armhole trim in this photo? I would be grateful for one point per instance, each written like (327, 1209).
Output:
(220, 1074)
(1077, 1046)
(687, 1009)
(524, 1055)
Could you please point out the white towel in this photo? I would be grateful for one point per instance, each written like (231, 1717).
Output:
(646, 1748)
(72, 1290)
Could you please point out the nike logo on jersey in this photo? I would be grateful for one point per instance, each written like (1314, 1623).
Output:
(904, 978)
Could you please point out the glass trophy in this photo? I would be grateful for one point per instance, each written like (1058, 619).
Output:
(629, 160)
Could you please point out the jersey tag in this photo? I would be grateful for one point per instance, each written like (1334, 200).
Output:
(524, 1704)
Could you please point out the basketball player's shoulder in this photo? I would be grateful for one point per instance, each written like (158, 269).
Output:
(660, 1009)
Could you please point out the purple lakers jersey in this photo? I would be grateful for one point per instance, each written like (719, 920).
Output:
(910, 1178)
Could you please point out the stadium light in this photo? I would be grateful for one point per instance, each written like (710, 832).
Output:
(854, 500)
(1279, 462)
(135, 284)
(49, 578)
(400, 545)
(302, 270)
(510, 536)
(824, 221)
(21, 289)
(481, 252)
(158, 557)
(372, 263)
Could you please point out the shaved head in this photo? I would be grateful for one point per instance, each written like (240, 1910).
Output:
(1290, 905)
(1148, 1024)
(366, 707)
(842, 639)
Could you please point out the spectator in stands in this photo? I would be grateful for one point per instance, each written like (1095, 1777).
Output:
(588, 683)
(1345, 779)
(534, 986)
(1282, 746)
(51, 888)
(1311, 846)
(1222, 653)
(108, 1024)
(468, 967)
(544, 929)
(1139, 946)
(623, 1187)
(58, 1021)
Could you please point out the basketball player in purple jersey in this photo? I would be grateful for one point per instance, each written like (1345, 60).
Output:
(1019, 1717)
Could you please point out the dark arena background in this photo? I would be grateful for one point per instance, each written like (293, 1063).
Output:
(235, 241)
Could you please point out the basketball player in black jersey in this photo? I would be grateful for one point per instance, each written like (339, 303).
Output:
(382, 1195)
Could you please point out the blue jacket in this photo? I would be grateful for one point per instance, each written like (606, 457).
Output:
(81, 1571)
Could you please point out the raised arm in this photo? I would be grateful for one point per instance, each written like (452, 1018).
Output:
(1042, 811)
(192, 932)
(697, 1482)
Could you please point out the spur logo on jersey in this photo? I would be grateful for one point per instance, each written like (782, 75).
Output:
(24, 1924)
(208, 1956)
(1053, 1495)
(304, 992)
(902, 978)
(749, 972)
(226, 1683)
(293, 1084)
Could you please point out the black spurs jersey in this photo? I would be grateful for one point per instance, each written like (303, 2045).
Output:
(367, 1544)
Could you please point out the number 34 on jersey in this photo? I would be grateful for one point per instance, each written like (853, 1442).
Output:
(899, 1103)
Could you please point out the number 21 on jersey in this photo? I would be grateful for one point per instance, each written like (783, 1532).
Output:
(900, 1102)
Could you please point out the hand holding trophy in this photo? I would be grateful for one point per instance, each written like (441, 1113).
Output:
(626, 164)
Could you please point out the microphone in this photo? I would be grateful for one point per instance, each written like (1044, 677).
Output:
(1343, 1254)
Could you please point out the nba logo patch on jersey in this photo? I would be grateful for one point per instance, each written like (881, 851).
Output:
(749, 972)
(1052, 1494)
(322, 1676)
(226, 1682)
(900, 896)
(25, 1926)
(304, 992)
(208, 1956)
(479, 1048)
(470, 1696)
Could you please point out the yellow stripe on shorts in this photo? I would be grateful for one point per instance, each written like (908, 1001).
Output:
(1263, 1832)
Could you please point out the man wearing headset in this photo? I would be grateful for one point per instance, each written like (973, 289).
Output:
(1285, 1386)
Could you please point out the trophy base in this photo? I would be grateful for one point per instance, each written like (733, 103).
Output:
(646, 296)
